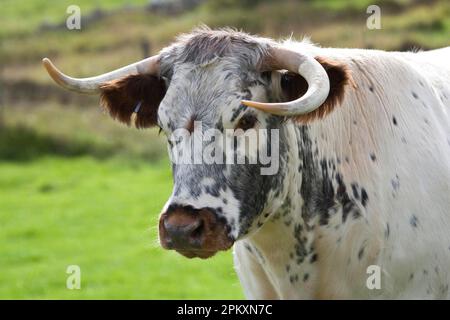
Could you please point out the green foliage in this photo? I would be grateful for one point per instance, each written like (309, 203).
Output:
(21, 143)
(223, 4)
(21, 17)
(31, 132)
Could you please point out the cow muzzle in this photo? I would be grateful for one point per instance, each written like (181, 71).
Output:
(193, 232)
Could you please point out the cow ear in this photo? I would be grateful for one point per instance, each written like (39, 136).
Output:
(121, 97)
(294, 86)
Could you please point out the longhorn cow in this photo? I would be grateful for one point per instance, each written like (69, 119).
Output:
(363, 148)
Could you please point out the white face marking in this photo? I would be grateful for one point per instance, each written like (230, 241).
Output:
(212, 94)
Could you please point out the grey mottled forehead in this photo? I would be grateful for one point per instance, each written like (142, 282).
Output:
(203, 46)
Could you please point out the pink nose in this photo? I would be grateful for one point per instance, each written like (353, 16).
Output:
(193, 232)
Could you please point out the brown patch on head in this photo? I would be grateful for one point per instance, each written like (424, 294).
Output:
(190, 125)
(340, 76)
(120, 98)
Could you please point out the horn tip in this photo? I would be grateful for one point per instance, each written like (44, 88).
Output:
(46, 62)
(52, 71)
(48, 65)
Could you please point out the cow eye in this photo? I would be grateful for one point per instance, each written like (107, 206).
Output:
(286, 80)
(266, 75)
(247, 122)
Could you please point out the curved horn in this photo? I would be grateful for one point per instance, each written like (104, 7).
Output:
(310, 69)
(92, 85)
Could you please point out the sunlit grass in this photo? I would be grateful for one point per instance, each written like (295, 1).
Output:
(102, 216)
(78, 188)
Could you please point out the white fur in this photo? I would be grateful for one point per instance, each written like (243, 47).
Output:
(420, 167)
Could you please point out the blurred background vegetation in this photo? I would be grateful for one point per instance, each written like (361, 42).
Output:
(78, 188)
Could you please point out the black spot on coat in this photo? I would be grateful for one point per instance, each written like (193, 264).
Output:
(413, 221)
(361, 253)
(364, 197)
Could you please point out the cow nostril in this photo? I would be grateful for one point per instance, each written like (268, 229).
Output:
(186, 234)
(197, 232)
(194, 232)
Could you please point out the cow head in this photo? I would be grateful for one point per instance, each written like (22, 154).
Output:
(226, 83)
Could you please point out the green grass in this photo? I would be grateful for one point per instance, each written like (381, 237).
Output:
(22, 16)
(102, 216)
(29, 132)
(78, 188)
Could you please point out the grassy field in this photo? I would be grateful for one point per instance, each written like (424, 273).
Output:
(78, 188)
(100, 215)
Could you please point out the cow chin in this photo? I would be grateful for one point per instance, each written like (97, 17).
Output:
(202, 254)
